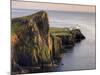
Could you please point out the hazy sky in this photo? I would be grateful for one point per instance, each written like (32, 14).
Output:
(52, 6)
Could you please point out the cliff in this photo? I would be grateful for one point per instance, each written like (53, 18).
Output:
(35, 45)
(31, 42)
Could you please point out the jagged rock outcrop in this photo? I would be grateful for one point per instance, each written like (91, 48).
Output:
(78, 36)
(31, 41)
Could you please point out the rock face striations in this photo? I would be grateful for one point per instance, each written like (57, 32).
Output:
(34, 45)
(31, 45)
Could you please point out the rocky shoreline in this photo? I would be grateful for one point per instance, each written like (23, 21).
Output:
(34, 45)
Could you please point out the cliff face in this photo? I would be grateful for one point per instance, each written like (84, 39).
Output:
(35, 45)
(31, 42)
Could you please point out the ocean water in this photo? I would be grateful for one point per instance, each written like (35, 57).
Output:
(82, 56)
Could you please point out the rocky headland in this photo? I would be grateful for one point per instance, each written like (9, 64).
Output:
(35, 45)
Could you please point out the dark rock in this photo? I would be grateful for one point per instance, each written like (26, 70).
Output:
(67, 41)
(78, 36)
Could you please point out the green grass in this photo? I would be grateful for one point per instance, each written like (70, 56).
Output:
(59, 31)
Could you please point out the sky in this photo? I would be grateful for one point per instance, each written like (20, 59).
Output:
(52, 6)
